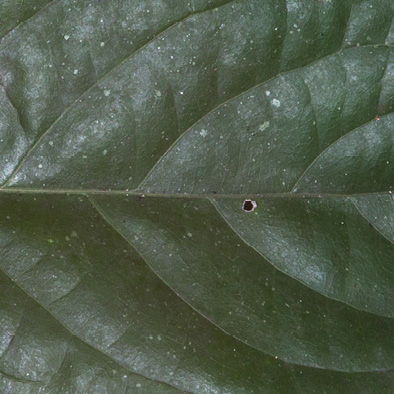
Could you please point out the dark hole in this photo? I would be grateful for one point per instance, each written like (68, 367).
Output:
(249, 205)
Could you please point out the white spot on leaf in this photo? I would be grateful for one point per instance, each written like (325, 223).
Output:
(264, 126)
(203, 133)
(275, 103)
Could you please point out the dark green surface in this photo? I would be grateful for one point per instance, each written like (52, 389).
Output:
(131, 133)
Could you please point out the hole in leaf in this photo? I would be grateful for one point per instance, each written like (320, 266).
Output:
(249, 205)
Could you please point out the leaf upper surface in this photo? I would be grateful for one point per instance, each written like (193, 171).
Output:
(130, 136)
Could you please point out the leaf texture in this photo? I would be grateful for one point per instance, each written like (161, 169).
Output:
(130, 136)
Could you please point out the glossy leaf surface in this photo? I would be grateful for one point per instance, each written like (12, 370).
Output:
(130, 136)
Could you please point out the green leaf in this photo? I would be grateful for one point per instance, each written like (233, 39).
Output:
(132, 133)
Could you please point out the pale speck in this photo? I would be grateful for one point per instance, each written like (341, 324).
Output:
(181, 93)
(105, 152)
(50, 143)
(189, 234)
(66, 37)
(158, 93)
(264, 126)
(267, 93)
(75, 72)
(107, 93)
(40, 166)
(275, 103)
(102, 43)
(203, 133)
(138, 385)
(159, 338)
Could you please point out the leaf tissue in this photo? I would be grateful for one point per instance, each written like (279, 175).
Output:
(196, 196)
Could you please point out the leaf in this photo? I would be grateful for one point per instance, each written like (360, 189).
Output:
(131, 134)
